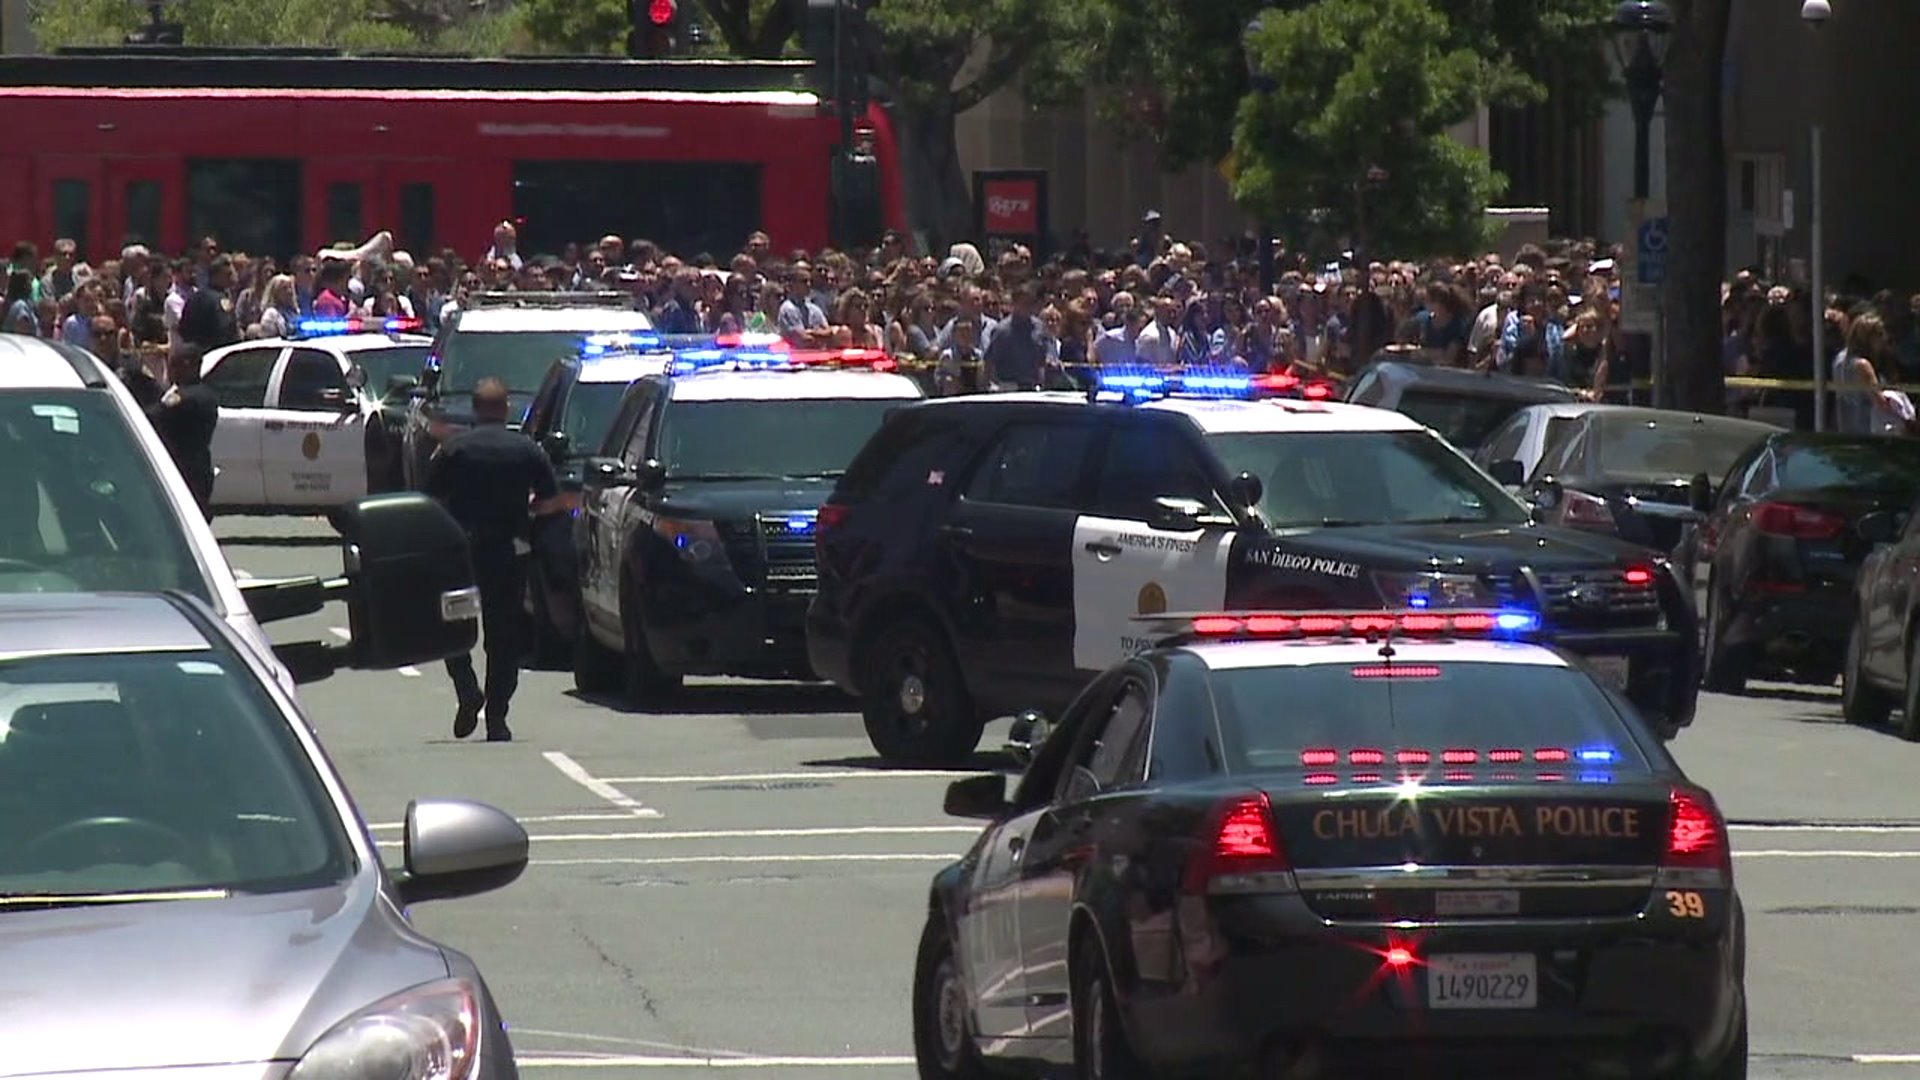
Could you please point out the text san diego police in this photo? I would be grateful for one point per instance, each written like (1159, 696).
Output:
(1306, 564)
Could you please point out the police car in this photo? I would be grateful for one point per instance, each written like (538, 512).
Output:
(311, 421)
(569, 418)
(1300, 843)
(986, 553)
(695, 532)
(90, 501)
(510, 336)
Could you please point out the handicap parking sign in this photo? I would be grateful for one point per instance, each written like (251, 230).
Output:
(1652, 251)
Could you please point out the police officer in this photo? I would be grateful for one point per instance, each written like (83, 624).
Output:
(185, 419)
(489, 478)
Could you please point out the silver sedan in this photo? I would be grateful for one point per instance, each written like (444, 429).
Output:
(186, 888)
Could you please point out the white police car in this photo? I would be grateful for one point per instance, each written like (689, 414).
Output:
(303, 419)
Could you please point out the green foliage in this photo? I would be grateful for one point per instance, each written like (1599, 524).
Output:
(343, 24)
(1360, 86)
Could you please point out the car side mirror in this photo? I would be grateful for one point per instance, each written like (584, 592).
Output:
(608, 472)
(1508, 473)
(1024, 739)
(341, 398)
(457, 848)
(650, 475)
(557, 445)
(1700, 493)
(982, 797)
(410, 590)
(1882, 526)
(1176, 515)
(1246, 491)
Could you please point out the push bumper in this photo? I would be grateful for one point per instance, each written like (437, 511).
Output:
(1610, 1000)
(756, 633)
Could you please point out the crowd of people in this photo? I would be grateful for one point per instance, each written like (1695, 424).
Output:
(985, 321)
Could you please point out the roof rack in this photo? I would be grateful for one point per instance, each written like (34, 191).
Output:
(558, 300)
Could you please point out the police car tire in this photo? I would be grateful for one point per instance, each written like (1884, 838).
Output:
(1096, 1016)
(643, 681)
(1733, 1066)
(933, 968)
(596, 668)
(952, 729)
(1861, 702)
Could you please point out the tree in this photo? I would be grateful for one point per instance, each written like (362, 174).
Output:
(1355, 124)
(349, 25)
(1692, 377)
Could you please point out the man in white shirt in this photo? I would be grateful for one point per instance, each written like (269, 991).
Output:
(1158, 345)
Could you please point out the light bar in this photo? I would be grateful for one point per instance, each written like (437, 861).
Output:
(355, 325)
(622, 342)
(1143, 384)
(689, 361)
(1460, 623)
(1324, 757)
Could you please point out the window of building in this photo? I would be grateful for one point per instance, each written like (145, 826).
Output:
(248, 204)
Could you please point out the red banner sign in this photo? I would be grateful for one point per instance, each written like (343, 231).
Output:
(1012, 207)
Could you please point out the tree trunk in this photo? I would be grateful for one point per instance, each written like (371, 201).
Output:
(939, 199)
(1692, 377)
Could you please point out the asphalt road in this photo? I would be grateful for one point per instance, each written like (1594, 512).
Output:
(736, 883)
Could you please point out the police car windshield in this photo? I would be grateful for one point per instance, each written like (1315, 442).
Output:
(519, 358)
(1339, 478)
(768, 438)
(1269, 716)
(155, 772)
(382, 365)
(81, 508)
(589, 412)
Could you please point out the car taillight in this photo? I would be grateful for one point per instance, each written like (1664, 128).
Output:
(1240, 852)
(1797, 522)
(1697, 851)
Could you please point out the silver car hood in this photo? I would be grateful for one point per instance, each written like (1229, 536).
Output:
(198, 983)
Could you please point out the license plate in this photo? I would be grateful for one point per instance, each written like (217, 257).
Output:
(1611, 670)
(1483, 981)
(1476, 902)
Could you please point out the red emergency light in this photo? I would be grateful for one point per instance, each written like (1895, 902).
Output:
(871, 359)
(1242, 625)
(662, 12)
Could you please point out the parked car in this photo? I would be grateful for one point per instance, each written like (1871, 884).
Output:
(1774, 565)
(1628, 471)
(1463, 406)
(1531, 434)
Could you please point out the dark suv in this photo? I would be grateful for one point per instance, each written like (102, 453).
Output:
(987, 554)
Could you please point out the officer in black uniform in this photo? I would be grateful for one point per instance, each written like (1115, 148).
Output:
(489, 478)
(185, 419)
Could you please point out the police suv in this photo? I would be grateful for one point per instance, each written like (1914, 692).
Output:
(695, 532)
(311, 421)
(987, 554)
(569, 418)
(91, 502)
(510, 336)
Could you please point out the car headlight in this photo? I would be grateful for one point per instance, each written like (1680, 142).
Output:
(431, 1032)
(698, 542)
(1434, 590)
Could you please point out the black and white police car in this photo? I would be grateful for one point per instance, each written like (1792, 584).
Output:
(312, 421)
(695, 532)
(989, 553)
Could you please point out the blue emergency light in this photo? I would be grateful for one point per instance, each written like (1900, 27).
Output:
(690, 361)
(624, 342)
(354, 325)
(1230, 383)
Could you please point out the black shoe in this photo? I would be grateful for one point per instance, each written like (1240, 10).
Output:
(499, 734)
(467, 717)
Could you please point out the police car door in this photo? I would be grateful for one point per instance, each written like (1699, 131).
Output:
(314, 449)
(239, 379)
(606, 507)
(1155, 540)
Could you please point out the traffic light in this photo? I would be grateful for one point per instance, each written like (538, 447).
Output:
(657, 28)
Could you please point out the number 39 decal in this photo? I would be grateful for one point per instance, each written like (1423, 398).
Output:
(1686, 905)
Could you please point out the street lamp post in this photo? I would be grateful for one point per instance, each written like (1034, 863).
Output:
(1639, 43)
(1815, 13)
(1263, 85)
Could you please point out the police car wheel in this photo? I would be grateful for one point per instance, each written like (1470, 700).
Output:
(1733, 1066)
(1860, 702)
(943, 1046)
(596, 668)
(1100, 1047)
(913, 701)
(1725, 665)
(644, 682)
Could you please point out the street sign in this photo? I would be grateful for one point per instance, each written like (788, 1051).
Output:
(1651, 252)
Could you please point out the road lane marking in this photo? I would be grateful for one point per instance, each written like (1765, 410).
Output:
(691, 860)
(242, 575)
(740, 834)
(614, 1040)
(1836, 828)
(769, 777)
(340, 632)
(655, 1061)
(571, 769)
(409, 671)
(1886, 1059)
(1784, 853)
